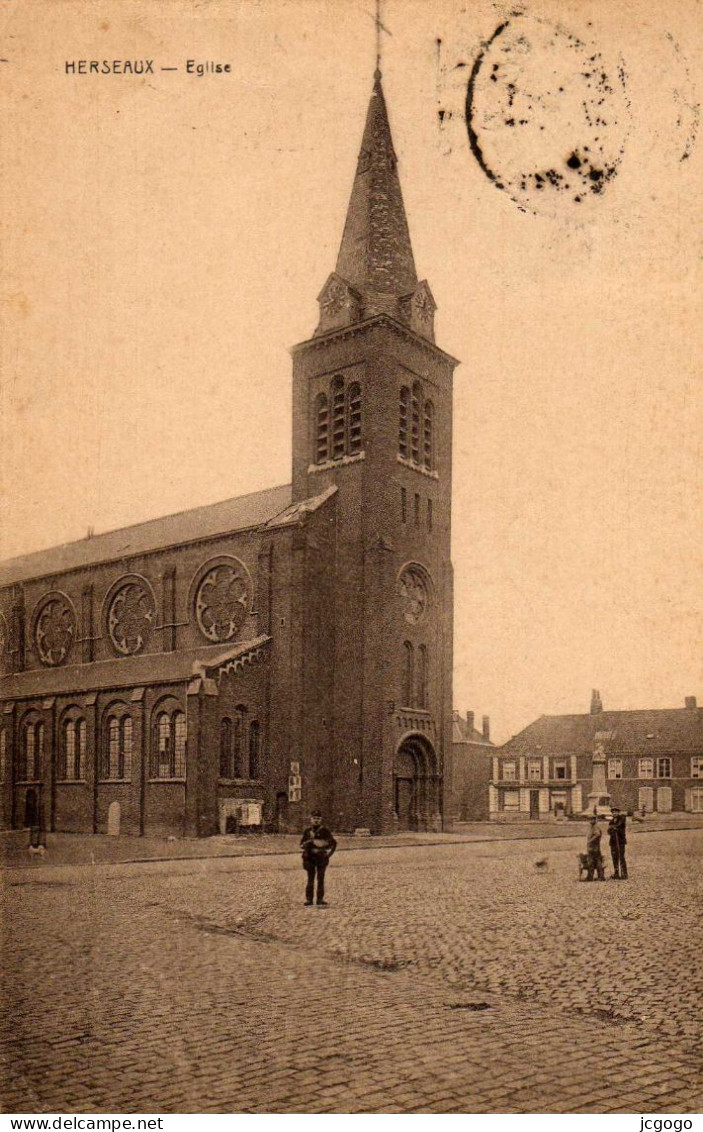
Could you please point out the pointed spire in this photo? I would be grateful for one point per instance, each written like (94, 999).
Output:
(375, 256)
(375, 271)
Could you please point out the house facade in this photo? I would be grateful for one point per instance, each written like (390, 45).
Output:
(245, 661)
(653, 763)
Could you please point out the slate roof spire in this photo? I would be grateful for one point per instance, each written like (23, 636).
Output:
(375, 254)
(375, 271)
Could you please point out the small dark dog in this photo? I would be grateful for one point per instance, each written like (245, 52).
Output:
(583, 864)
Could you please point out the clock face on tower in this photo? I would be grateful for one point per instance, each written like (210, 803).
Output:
(414, 592)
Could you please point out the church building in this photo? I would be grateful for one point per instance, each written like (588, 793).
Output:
(243, 662)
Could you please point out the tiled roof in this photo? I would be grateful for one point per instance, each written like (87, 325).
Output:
(636, 732)
(241, 513)
(124, 672)
(461, 733)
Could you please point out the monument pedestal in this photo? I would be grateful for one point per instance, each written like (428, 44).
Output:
(598, 799)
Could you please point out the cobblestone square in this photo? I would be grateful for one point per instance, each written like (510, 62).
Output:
(448, 978)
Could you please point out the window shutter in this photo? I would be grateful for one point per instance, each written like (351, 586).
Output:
(688, 806)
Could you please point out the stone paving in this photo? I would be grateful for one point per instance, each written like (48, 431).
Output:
(456, 978)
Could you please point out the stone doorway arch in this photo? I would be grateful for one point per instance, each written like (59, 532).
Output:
(416, 784)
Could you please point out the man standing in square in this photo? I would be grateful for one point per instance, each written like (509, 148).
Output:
(318, 845)
(618, 840)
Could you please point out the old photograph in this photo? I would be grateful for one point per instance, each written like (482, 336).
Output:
(351, 571)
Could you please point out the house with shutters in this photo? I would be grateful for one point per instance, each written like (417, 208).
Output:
(653, 763)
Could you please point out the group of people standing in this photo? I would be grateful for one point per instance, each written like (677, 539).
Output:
(617, 836)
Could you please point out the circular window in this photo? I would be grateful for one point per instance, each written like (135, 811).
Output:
(222, 601)
(130, 618)
(414, 593)
(54, 629)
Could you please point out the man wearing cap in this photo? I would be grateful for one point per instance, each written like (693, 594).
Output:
(318, 845)
(618, 840)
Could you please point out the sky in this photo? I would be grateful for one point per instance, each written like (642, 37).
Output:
(166, 236)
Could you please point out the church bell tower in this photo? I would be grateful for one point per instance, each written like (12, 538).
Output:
(372, 426)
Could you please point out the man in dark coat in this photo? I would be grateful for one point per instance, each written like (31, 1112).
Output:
(318, 845)
(617, 836)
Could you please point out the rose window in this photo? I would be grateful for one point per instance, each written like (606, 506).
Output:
(412, 588)
(54, 631)
(222, 601)
(131, 617)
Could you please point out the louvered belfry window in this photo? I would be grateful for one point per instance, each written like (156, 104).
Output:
(428, 437)
(337, 422)
(416, 427)
(415, 423)
(354, 419)
(322, 429)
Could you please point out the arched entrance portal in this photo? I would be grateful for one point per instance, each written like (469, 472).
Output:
(416, 785)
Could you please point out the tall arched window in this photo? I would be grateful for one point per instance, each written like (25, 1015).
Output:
(31, 751)
(81, 736)
(72, 749)
(238, 743)
(168, 745)
(408, 674)
(254, 748)
(415, 423)
(428, 436)
(225, 748)
(164, 746)
(116, 753)
(354, 419)
(404, 409)
(180, 735)
(124, 762)
(422, 677)
(113, 748)
(3, 752)
(338, 421)
(322, 429)
(232, 745)
(67, 757)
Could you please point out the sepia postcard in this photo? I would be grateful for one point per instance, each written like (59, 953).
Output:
(351, 559)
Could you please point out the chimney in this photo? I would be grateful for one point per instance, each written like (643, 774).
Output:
(470, 724)
(691, 702)
(487, 728)
(596, 702)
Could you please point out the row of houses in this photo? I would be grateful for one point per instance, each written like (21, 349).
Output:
(653, 763)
